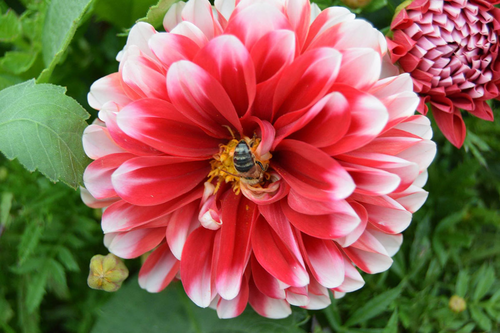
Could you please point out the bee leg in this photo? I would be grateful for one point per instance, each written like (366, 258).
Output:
(262, 166)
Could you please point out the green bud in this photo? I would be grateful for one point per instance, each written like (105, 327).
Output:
(457, 304)
(106, 272)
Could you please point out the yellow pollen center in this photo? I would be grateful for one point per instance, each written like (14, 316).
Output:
(223, 165)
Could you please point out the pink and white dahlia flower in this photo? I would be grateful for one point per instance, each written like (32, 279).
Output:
(259, 151)
(450, 48)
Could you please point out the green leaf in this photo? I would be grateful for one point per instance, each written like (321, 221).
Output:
(156, 13)
(29, 240)
(17, 62)
(61, 21)
(42, 127)
(36, 289)
(10, 27)
(392, 325)
(462, 283)
(133, 310)
(7, 80)
(122, 13)
(375, 306)
(5, 205)
(67, 259)
(484, 283)
(467, 328)
(480, 318)
(6, 312)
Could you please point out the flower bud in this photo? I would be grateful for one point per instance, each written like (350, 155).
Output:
(457, 304)
(106, 272)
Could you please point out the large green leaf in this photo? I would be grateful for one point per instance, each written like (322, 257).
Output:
(62, 19)
(134, 310)
(42, 127)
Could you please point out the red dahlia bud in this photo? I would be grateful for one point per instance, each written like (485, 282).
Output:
(450, 48)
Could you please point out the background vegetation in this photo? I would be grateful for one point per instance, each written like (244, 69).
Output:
(47, 235)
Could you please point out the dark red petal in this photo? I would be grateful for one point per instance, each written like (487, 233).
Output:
(148, 181)
(311, 172)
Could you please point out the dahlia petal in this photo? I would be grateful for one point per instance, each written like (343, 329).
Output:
(265, 132)
(97, 176)
(297, 296)
(169, 48)
(243, 24)
(139, 35)
(143, 75)
(225, 7)
(311, 172)
(360, 68)
(266, 306)
(369, 262)
(307, 206)
(149, 181)
(273, 214)
(234, 307)
(106, 89)
(158, 124)
(275, 256)
(158, 270)
(417, 125)
(325, 20)
(421, 153)
(322, 226)
(407, 171)
(412, 198)
(182, 223)
(352, 281)
(196, 267)
(229, 62)
(265, 282)
(315, 11)
(97, 142)
(368, 118)
(108, 114)
(306, 80)
(389, 220)
(356, 233)
(299, 16)
(173, 16)
(122, 216)
(199, 12)
(272, 52)
(276, 190)
(198, 96)
(452, 126)
(238, 216)
(190, 31)
(319, 298)
(134, 243)
(325, 261)
(92, 202)
(372, 181)
(315, 125)
(351, 34)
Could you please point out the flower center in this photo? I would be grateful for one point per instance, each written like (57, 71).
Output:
(239, 163)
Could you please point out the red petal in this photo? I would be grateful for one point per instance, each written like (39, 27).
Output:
(266, 306)
(158, 124)
(311, 172)
(158, 270)
(134, 243)
(452, 126)
(228, 61)
(275, 256)
(182, 222)
(201, 98)
(238, 217)
(299, 16)
(236, 306)
(273, 52)
(265, 282)
(122, 216)
(97, 175)
(196, 267)
(170, 48)
(322, 226)
(306, 80)
(148, 181)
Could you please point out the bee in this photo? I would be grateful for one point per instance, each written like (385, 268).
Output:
(250, 169)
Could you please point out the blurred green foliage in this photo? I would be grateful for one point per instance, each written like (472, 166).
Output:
(47, 236)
